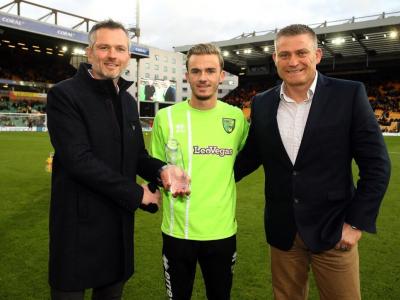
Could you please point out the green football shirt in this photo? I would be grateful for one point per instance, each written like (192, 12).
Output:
(209, 141)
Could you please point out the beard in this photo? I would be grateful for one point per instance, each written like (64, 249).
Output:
(203, 97)
(102, 72)
(112, 75)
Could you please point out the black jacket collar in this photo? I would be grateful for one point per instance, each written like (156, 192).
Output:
(107, 85)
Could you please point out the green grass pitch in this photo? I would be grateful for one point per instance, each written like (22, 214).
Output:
(24, 205)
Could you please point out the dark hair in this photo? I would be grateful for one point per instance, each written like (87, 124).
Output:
(109, 24)
(203, 49)
(296, 29)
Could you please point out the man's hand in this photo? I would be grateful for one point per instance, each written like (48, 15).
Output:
(350, 237)
(149, 197)
(176, 180)
(152, 207)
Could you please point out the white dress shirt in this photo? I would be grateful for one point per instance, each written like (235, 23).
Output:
(292, 119)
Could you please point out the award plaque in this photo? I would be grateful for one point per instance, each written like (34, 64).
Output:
(174, 156)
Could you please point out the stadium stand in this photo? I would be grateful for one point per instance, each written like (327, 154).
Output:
(35, 68)
(384, 97)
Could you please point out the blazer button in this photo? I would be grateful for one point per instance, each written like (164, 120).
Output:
(295, 173)
(296, 200)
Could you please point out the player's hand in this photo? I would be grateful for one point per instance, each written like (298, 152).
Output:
(175, 180)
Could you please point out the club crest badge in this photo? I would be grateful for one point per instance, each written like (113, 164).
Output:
(228, 124)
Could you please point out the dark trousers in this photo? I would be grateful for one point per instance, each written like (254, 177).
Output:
(109, 292)
(216, 259)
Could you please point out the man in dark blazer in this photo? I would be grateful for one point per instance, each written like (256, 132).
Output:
(149, 91)
(170, 92)
(99, 149)
(306, 132)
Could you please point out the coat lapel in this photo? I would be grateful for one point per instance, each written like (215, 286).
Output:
(316, 111)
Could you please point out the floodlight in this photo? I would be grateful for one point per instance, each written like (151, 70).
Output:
(393, 34)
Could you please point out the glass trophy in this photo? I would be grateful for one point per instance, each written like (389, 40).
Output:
(174, 156)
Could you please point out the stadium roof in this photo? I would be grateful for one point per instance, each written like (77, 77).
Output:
(358, 42)
(48, 25)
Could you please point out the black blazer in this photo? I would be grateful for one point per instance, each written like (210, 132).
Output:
(149, 91)
(316, 195)
(94, 192)
(170, 94)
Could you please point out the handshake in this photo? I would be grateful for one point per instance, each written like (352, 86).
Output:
(173, 179)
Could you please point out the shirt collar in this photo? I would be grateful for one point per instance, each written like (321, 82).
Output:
(310, 92)
(91, 75)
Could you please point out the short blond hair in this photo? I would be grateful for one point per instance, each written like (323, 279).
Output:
(203, 49)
